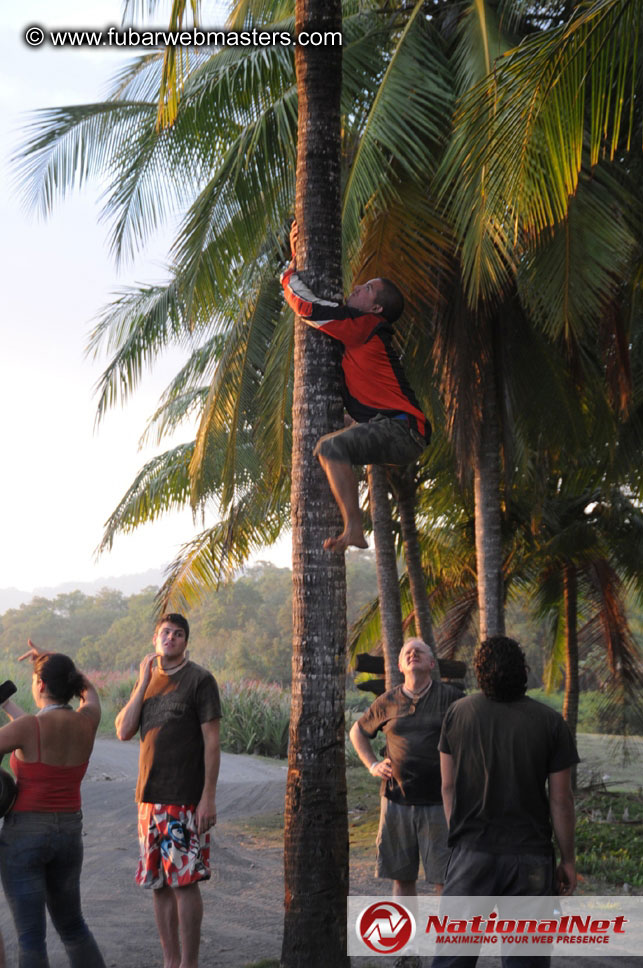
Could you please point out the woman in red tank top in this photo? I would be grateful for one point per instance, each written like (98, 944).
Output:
(41, 850)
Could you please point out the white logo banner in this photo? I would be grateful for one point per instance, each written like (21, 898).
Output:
(590, 926)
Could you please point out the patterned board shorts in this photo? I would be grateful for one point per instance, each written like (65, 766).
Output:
(171, 851)
(382, 440)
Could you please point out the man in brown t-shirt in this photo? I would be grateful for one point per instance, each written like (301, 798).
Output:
(412, 823)
(175, 704)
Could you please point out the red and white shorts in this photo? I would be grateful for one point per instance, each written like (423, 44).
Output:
(172, 853)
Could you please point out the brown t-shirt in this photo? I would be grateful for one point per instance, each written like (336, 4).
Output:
(503, 753)
(412, 731)
(171, 768)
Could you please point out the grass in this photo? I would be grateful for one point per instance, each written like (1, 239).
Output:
(363, 816)
(255, 718)
(609, 839)
(595, 714)
(609, 847)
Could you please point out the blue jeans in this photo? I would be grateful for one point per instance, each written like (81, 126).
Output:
(476, 873)
(41, 856)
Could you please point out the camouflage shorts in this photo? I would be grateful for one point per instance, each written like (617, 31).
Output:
(383, 440)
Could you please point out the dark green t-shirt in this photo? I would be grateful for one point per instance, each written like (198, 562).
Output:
(502, 755)
(171, 768)
(412, 732)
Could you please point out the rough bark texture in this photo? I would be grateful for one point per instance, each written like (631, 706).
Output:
(572, 685)
(488, 515)
(316, 830)
(387, 580)
(570, 597)
(406, 487)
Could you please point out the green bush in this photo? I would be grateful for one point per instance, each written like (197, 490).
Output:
(609, 837)
(595, 715)
(20, 674)
(358, 701)
(255, 718)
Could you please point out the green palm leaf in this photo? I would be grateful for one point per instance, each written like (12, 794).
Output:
(530, 121)
(161, 485)
(252, 523)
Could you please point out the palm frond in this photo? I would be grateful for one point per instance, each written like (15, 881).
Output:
(569, 281)
(405, 121)
(246, 13)
(486, 252)
(528, 121)
(137, 326)
(173, 411)
(160, 486)
(231, 405)
(255, 521)
(182, 397)
(175, 65)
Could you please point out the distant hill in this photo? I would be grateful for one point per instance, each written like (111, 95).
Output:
(127, 584)
(13, 598)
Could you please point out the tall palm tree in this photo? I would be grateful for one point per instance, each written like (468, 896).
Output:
(587, 556)
(316, 826)
(390, 610)
(405, 482)
(231, 149)
(229, 155)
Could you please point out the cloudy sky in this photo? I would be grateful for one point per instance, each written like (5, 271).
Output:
(61, 477)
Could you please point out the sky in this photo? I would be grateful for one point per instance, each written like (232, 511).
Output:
(61, 476)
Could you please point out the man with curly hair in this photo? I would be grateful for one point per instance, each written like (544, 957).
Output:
(506, 765)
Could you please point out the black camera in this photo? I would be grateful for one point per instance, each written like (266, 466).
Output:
(7, 689)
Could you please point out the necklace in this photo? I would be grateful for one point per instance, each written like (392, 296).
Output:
(53, 705)
(173, 669)
(417, 695)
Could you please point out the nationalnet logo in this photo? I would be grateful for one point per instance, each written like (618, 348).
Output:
(385, 927)
(496, 926)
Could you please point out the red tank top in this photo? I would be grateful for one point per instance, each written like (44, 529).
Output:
(45, 788)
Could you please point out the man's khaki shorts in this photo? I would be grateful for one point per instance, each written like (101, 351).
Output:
(407, 833)
(383, 440)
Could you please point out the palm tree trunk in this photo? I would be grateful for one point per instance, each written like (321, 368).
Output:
(387, 581)
(406, 493)
(570, 600)
(570, 702)
(316, 828)
(488, 514)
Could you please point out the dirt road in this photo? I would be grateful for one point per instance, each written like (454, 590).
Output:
(243, 900)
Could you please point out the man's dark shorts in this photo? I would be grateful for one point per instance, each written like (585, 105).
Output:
(383, 440)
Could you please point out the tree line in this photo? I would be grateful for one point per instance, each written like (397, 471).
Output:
(243, 629)
(485, 155)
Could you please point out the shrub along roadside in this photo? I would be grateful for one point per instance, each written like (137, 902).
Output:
(594, 715)
(255, 718)
(609, 838)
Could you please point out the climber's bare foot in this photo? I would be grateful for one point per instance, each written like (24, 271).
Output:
(346, 539)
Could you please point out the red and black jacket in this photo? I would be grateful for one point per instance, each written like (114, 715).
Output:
(373, 379)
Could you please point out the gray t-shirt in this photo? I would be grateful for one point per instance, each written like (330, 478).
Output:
(171, 768)
(502, 755)
(412, 731)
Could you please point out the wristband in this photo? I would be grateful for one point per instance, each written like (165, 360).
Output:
(372, 766)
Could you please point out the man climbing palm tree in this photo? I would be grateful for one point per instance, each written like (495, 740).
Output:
(388, 426)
